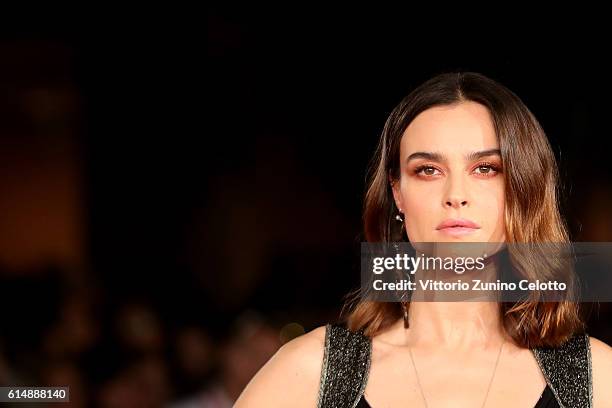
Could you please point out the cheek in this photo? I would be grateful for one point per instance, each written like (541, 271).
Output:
(493, 212)
(420, 212)
(492, 209)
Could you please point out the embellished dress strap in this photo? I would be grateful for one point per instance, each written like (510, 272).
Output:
(346, 364)
(567, 370)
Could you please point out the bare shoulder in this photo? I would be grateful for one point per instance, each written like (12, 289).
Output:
(291, 377)
(601, 358)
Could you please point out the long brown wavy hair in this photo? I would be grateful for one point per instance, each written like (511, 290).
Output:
(532, 213)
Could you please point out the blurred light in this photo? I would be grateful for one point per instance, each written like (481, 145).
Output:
(291, 331)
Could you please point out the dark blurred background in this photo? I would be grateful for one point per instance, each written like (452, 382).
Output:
(178, 198)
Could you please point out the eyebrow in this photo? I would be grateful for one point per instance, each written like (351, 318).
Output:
(439, 157)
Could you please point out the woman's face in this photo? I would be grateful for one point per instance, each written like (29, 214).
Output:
(451, 187)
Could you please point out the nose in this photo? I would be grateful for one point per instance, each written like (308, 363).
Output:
(455, 196)
(455, 202)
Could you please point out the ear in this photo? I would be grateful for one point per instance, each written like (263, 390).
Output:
(397, 197)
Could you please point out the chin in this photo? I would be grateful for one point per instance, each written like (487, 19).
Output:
(448, 237)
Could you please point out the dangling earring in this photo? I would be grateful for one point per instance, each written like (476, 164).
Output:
(405, 311)
(404, 295)
(400, 220)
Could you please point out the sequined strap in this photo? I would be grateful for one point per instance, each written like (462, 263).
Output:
(567, 370)
(346, 363)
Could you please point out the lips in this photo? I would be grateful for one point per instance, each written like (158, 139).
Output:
(459, 223)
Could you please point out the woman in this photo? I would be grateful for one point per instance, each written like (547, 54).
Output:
(459, 147)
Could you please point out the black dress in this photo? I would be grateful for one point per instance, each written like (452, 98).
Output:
(547, 400)
(346, 365)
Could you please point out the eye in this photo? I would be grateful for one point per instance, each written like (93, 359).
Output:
(425, 170)
(487, 169)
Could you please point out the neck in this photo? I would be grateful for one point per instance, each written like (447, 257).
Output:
(455, 325)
